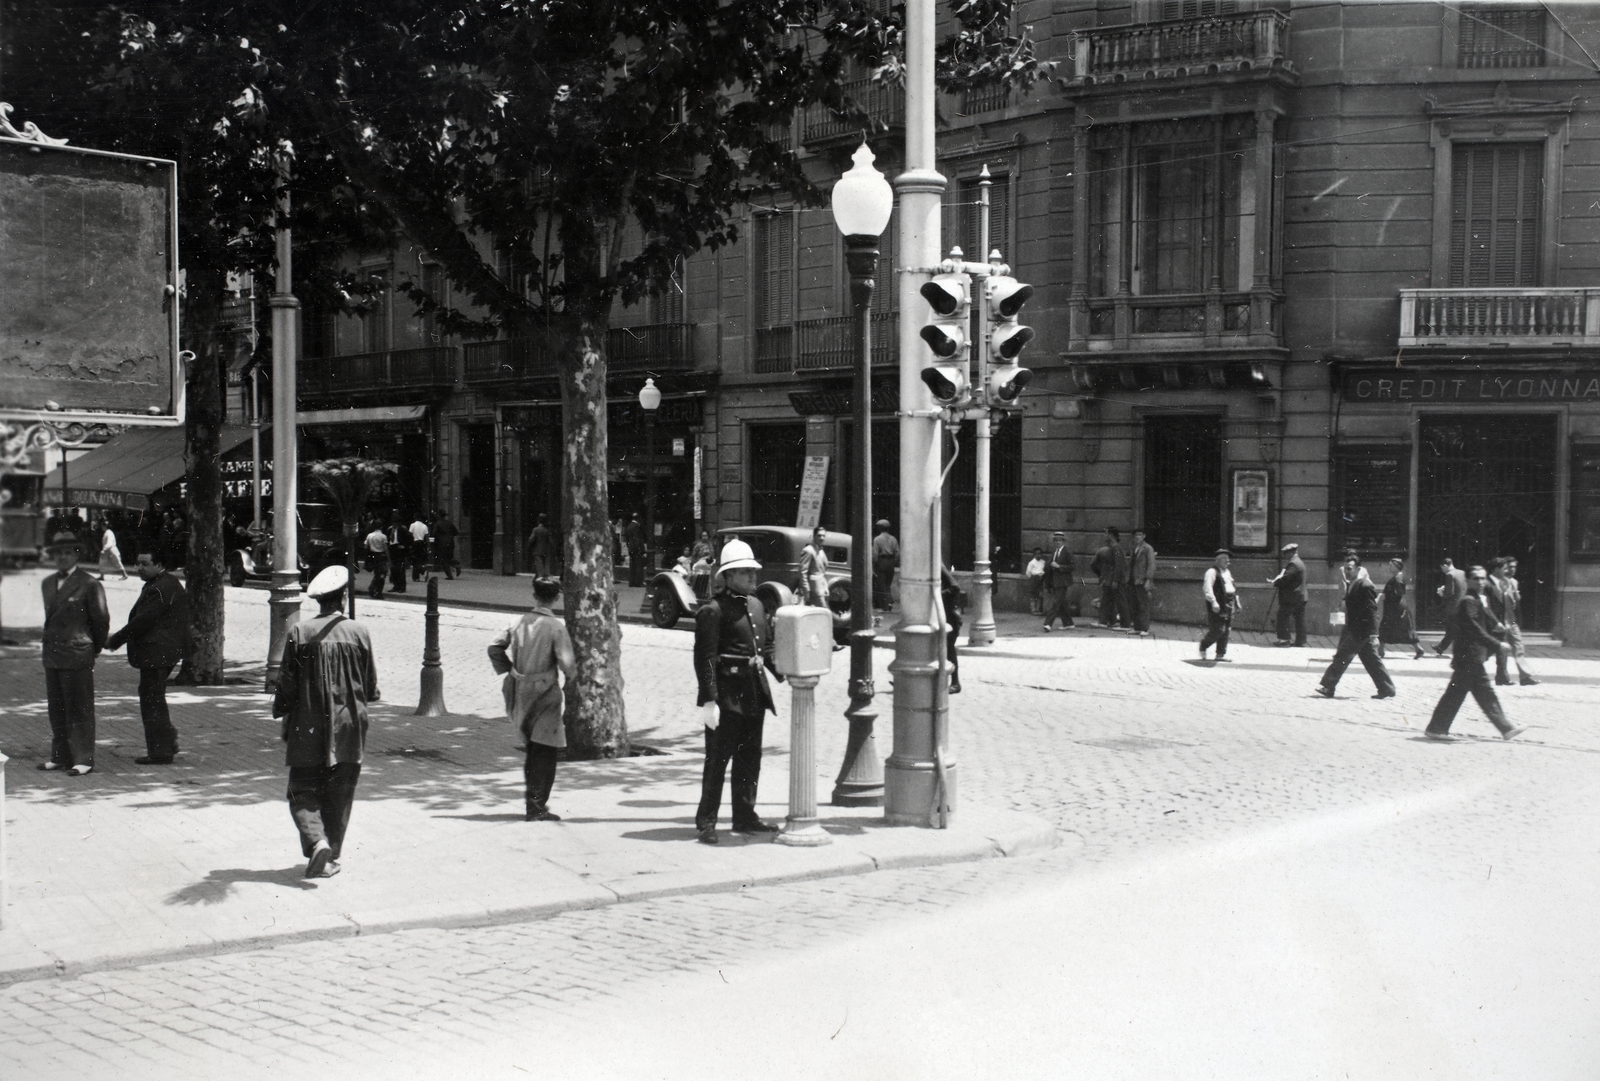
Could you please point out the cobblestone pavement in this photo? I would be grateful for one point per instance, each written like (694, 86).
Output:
(1171, 777)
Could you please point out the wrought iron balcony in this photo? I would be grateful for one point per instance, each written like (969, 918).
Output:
(392, 369)
(655, 347)
(1527, 318)
(510, 360)
(1256, 41)
(885, 107)
(822, 345)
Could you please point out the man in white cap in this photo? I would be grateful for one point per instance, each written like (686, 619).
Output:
(324, 686)
(732, 643)
(76, 625)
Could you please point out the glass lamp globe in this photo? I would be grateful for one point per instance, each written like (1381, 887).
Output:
(649, 396)
(862, 198)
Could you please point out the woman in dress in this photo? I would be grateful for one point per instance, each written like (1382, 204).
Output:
(1397, 627)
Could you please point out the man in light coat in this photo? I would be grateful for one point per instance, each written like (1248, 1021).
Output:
(533, 654)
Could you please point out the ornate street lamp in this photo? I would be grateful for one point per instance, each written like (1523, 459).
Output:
(862, 203)
(649, 401)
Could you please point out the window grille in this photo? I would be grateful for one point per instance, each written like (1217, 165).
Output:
(1502, 36)
(1183, 484)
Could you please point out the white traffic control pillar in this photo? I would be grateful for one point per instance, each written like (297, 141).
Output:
(803, 653)
(3, 874)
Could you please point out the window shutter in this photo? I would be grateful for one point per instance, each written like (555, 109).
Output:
(783, 255)
(1197, 9)
(1494, 227)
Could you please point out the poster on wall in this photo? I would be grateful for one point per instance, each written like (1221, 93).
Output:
(1250, 509)
(813, 486)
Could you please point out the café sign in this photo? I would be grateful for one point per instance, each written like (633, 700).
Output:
(1399, 386)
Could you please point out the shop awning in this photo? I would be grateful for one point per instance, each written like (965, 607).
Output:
(376, 414)
(125, 470)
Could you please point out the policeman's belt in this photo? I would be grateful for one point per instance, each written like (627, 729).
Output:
(736, 660)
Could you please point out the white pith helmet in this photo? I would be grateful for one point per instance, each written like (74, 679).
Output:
(736, 555)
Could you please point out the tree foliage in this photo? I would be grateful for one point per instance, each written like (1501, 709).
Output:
(350, 484)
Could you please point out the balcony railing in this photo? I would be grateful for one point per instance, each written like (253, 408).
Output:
(1511, 317)
(510, 360)
(820, 345)
(885, 106)
(655, 346)
(774, 349)
(1248, 42)
(392, 369)
(1203, 320)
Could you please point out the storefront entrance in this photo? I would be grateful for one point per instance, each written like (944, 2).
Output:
(1485, 488)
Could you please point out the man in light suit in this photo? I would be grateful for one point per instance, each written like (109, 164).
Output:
(1454, 588)
(76, 625)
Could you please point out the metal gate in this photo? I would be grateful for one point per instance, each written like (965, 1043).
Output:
(1486, 488)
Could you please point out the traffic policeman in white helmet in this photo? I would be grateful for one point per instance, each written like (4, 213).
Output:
(732, 644)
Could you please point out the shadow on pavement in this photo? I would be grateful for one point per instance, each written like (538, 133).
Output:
(218, 885)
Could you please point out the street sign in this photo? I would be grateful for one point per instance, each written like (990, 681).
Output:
(89, 258)
(813, 486)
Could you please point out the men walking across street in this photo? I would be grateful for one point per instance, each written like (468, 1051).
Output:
(1359, 636)
(885, 558)
(1222, 601)
(420, 558)
(533, 654)
(1473, 629)
(377, 545)
(1058, 583)
(1111, 564)
(1454, 588)
(1290, 585)
(326, 680)
(732, 645)
(1505, 601)
(159, 636)
(1142, 582)
(76, 625)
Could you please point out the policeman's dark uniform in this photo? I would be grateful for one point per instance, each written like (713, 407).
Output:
(732, 643)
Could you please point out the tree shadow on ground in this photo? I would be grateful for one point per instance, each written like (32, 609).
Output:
(219, 885)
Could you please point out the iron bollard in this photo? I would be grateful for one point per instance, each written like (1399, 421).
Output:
(432, 703)
(803, 652)
(2, 840)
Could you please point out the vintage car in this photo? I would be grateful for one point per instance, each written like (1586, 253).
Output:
(777, 548)
(321, 542)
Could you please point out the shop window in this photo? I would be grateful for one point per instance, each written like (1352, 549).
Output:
(1585, 541)
(777, 465)
(1501, 36)
(1005, 498)
(1495, 207)
(1370, 501)
(1183, 484)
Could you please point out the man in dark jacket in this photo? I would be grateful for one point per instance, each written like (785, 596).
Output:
(1454, 588)
(158, 636)
(76, 623)
(1291, 586)
(1505, 603)
(399, 553)
(1111, 564)
(633, 537)
(1359, 638)
(732, 645)
(1141, 582)
(1474, 631)
(1058, 583)
(326, 681)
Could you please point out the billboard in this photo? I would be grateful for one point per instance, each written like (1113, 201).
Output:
(88, 284)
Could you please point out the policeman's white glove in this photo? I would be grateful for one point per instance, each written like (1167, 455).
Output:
(708, 715)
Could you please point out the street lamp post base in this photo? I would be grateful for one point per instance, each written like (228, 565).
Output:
(803, 835)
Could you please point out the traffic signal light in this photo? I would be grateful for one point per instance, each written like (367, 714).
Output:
(951, 300)
(948, 383)
(1005, 297)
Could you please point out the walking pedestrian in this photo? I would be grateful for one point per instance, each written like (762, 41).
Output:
(950, 597)
(1451, 592)
(443, 535)
(326, 680)
(1058, 583)
(159, 637)
(633, 538)
(1505, 601)
(1473, 629)
(814, 570)
(542, 548)
(1359, 636)
(1142, 581)
(399, 553)
(1111, 564)
(533, 653)
(110, 551)
(421, 560)
(76, 625)
(377, 545)
(1222, 601)
(1034, 575)
(1290, 585)
(732, 645)
(1397, 628)
(885, 558)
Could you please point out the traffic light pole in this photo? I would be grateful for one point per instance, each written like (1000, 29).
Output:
(980, 630)
(915, 777)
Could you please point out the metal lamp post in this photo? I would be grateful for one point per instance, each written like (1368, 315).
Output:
(285, 307)
(862, 204)
(649, 401)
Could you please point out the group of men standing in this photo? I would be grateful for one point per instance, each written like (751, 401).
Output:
(422, 546)
(1126, 581)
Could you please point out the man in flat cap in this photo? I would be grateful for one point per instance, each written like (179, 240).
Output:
(76, 625)
(885, 558)
(1222, 601)
(1058, 582)
(326, 681)
(1291, 586)
(1359, 636)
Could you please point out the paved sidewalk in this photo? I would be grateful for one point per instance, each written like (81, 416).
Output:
(138, 863)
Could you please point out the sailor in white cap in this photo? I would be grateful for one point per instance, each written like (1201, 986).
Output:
(326, 681)
(732, 643)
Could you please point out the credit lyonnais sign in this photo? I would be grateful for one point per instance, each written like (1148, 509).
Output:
(1407, 385)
